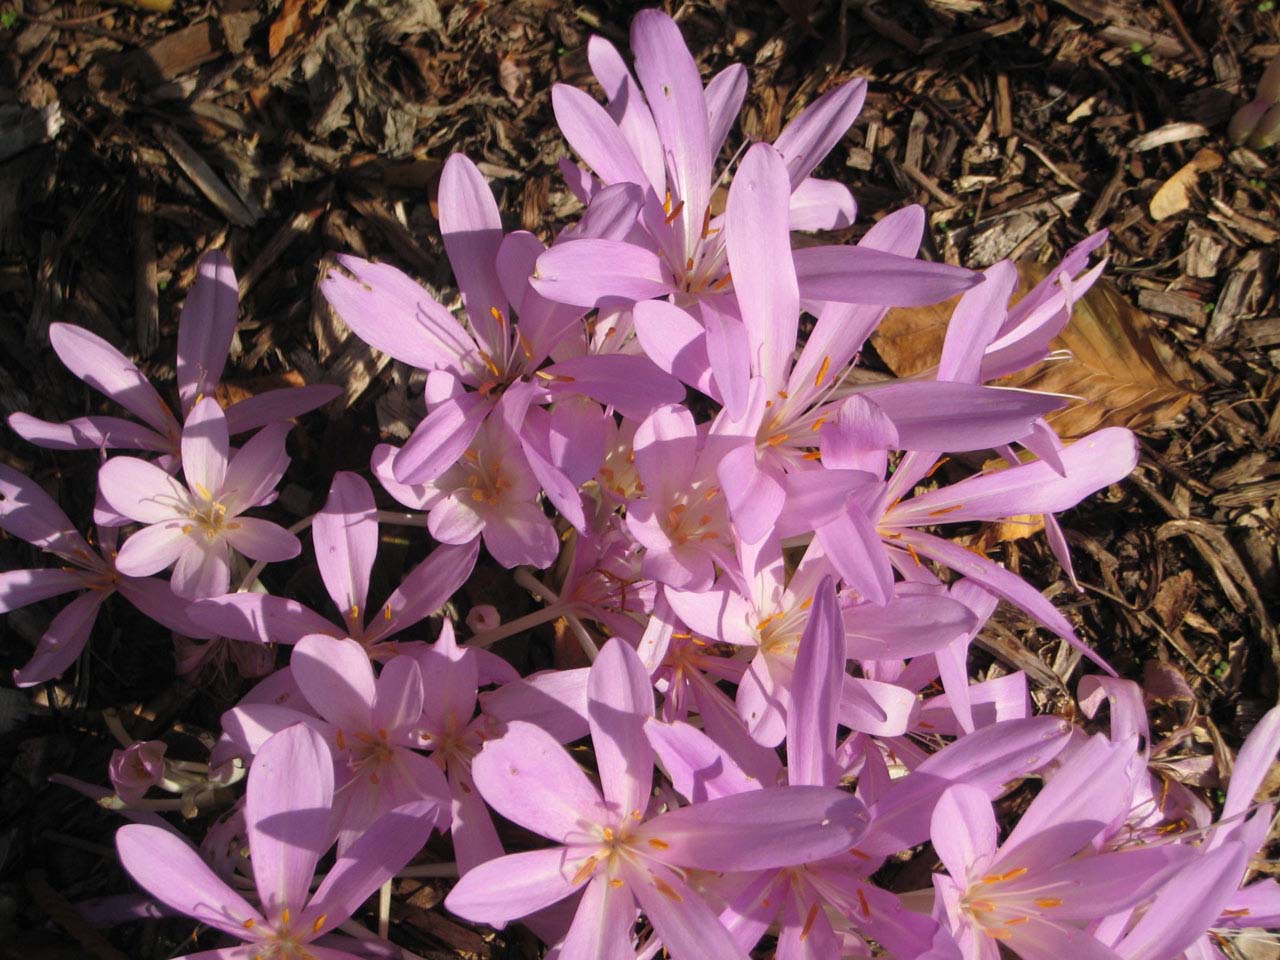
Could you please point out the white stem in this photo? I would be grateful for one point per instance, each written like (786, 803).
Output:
(402, 519)
(527, 622)
(384, 910)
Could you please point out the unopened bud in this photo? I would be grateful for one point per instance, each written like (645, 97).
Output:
(1267, 132)
(136, 769)
(483, 616)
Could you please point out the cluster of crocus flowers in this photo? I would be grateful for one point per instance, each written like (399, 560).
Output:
(748, 542)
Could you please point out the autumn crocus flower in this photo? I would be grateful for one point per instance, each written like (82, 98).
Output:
(1033, 893)
(610, 850)
(195, 526)
(26, 511)
(345, 537)
(205, 331)
(287, 819)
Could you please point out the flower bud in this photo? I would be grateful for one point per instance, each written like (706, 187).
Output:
(136, 769)
(1267, 131)
(483, 616)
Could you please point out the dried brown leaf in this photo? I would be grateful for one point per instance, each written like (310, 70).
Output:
(1174, 194)
(1120, 369)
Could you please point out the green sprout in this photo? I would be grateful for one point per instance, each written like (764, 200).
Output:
(1147, 59)
(8, 18)
(1266, 6)
(1136, 47)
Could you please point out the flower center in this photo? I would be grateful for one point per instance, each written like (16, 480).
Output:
(209, 517)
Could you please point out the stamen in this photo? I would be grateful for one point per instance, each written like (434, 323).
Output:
(863, 905)
(936, 467)
(615, 883)
(945, 510)
(319, 924)
(203, 491)
(588, 867)
(822, 372)
(666, 889)
(354, 612)
(250, 923)
(723, 281)
(666, 203)
(659, 844)
(914, 556)
(810, 919)
(284, 916)
(341, 740)
(498, 315)
(609, 835)
(386, 612)
(1048, 903)
(778, 438)
(675, 212)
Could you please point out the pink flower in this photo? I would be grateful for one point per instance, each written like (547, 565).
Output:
(194, 527)
(137, 768)
(286, 814)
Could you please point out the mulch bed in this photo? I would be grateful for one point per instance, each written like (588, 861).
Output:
(286, 135)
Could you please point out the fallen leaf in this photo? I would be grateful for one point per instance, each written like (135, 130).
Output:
(294, 15)
(512, 78)
(233, 391)
(1174, 194)
(1119, 368)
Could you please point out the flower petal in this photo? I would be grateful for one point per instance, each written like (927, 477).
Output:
(441, 439)
(272, 406)
(513, 886)
(687, 927)
(585, 272)
(345, 534)
(256, 468)
(287, 815)
(206, 328)
(21, 587)
(260, 617)
(337, 679)
(619, 700)
(142, 491)
(170, 870)
(153, 548)
(602, 925)
(111, 373)
(963, 828)
(62, 642)
(527, 777)
(205, 445)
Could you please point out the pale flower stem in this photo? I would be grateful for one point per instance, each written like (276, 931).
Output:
(518, 625)
(437, 870)
(537, 587)
(402, 519)
(584, 638)
(384, 910)
(112, 720)
(261, 565)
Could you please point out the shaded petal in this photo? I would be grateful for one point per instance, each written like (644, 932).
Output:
(602, 925)
(852, 543)
(988, 759)
(521, 534)
(260, 617)
(1080, 799)
(878, 708)
(628, 110)
(908, 626)
(513, 886)
(861, 274)
(345, 535)
(256, 468)
(729, 354)
(205, 446)
(455, 520)
(724, 95)
(688, 928)
(63, 641)
(619, 700)
(287, 815)
(527, 777)
(472, 230)
(555, 701)
(206, 328)
(698, 767)
(665, 444)
(170, 870)
(1008, 586)
(201, 570)
(754, 494)
(153, 549)
(30, 514)
(441, 439)
(88, 433)
(816, 689)
(821, 205)
(964, 831)
(758, 829)
(262, 539)
(271, 406)
(937, 416)
(1252, 764)
(382, 850)
(807, 139)
(1041, 939)
(111, 373)
(585, 272)
(21, 587)
(975, 322)
(426, 588)
(337, 679)
(1092, 463)
(758, 242)
(391, 312)
(596, 137)
(631, 384)
(142, 491)
(398, 699)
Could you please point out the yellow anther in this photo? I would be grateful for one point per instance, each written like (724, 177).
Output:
(386, 612)
(723, 281)
(666, 203)
(203, 491)
(817, 424)
(862, 903)
(675, 211)
(319, 924)
(822, 371)
(284, 916)
(1048, 903)
(354, 612)
(667, 890)
(806, 603)
(250, 923)
(996, 933)
(688, 265)
(341, 740)
(1015, 921)
(609, 835)
(659, 844)
(778, 438)
(615, 883)
(588, 867)
(810, 919)
(187, 528)
(941, 511)
(498, 315)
